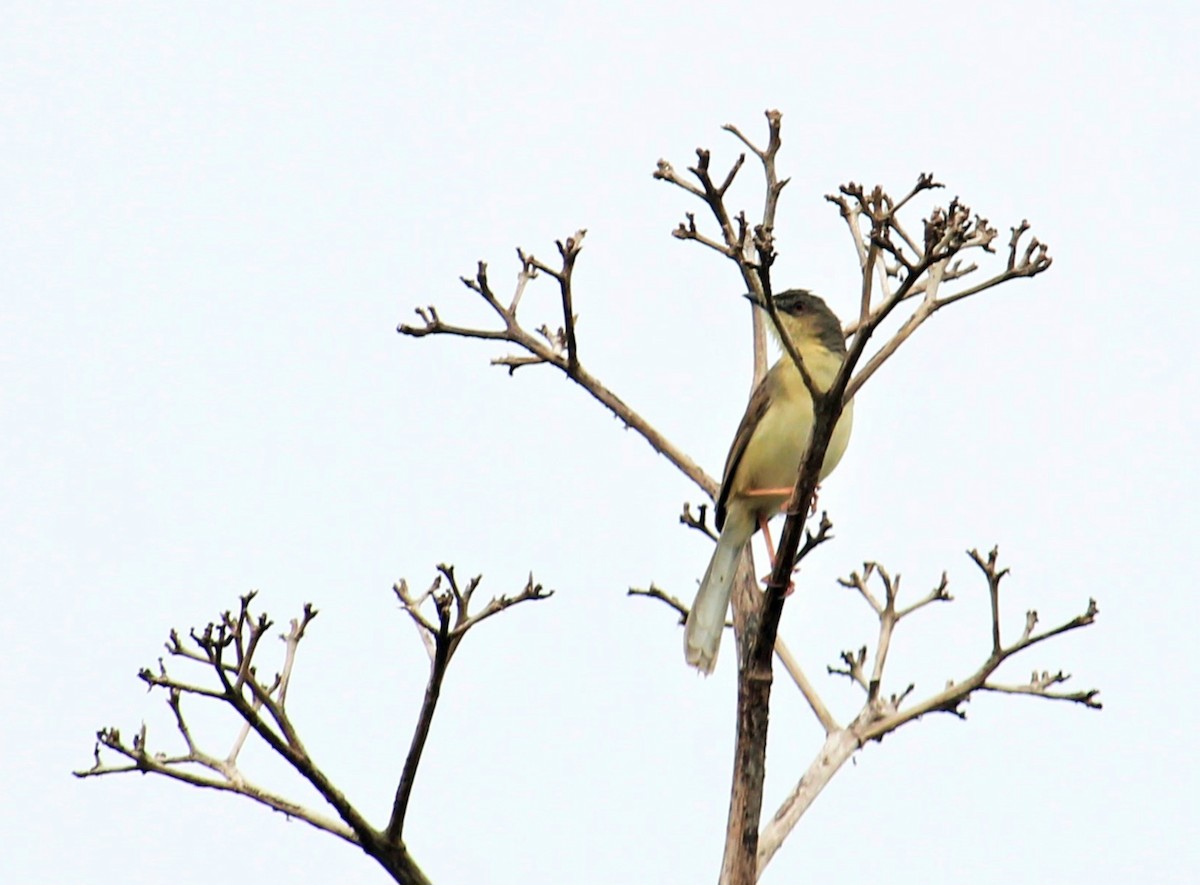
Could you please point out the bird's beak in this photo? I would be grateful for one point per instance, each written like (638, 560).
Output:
(753, 299)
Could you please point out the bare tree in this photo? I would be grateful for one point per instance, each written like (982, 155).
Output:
(901, 272)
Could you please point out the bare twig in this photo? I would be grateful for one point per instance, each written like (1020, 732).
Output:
(852, 667)
(1039, 684)
(654, 592)
(697, 521)
(807, 689)
(229, 780)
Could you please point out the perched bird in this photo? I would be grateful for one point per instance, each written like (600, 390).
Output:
(764, 460)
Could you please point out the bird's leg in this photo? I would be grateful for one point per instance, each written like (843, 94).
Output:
(767, 493)
(786, 494)
(766, 530)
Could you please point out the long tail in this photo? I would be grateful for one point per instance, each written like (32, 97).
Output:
(706, 623)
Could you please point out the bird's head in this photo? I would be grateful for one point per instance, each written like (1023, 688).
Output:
(808, 320)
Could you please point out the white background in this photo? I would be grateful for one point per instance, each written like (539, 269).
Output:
(212, 217)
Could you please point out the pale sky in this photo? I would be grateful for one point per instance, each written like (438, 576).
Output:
(214, 215)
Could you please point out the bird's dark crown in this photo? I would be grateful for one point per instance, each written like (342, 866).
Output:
(801, 302)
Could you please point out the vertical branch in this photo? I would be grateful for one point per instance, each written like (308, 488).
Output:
(994, 577)
(774, 187)
(887, 623)
(569, 251)
(291, 642)
(736, 243)
(740, 863)
(868, 276)
(454, 620)
(439, 660)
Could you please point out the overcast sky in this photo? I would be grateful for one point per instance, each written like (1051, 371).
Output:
(212, 217)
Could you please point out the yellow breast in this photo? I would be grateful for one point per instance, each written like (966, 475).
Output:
(773, 453)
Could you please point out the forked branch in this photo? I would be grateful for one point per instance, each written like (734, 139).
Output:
(557, 347)
(230, 650)
(452, 607)
(883, 713)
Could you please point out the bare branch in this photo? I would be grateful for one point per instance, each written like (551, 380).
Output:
(291, 641)
(731, 175)
(664, 171)
(1040, 683)
(691, 232)
(454, 620)
(752, 255)
(774, 186)
(238, 636)
(558, 348)
(433, 689)
(528, 272)
(568, 251)
(948, 232)
(839, 746)
(143, 761)
(940, 593)
(881, 715)
(859, 582)
(813, 540)
(531, 591)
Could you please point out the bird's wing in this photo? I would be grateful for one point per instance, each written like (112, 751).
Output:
(760, 400)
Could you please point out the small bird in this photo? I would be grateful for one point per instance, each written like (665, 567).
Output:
(764, 460)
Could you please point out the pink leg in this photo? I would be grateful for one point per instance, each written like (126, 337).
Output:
(775, 493)
(766, 530)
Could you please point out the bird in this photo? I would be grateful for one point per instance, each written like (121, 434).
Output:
(764, 460)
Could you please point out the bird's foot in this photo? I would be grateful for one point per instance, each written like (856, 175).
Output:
(791, 587)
